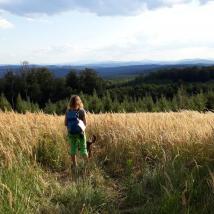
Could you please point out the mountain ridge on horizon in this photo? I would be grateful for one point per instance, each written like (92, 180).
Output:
(124, 63)
(115, 68)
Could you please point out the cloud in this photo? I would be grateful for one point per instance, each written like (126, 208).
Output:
(99, 7)
(5, 24)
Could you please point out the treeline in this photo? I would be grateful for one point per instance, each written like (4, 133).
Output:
(35, 89)
(93, 103)
(39, 85)
(188, 74)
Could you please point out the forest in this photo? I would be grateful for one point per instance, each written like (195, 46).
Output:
(171, 89)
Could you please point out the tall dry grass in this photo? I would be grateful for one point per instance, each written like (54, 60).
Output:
(163, 160)
(152, 136)
(20, 134)
(173, 128)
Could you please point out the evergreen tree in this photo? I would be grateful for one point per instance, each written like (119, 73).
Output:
(34, 107)
(174, 104)
(22, 106)
(182, 99)
(163, 104)
(4, 104)
(95, 104)
(50, 108)
(210, 101)
(61, 106)
(200, 102)
(116, 107)
(131, 105)
(107, 102)
(149, 103)
(84, 100)
(124, 104)
(141, 105)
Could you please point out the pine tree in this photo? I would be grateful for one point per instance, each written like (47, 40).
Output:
(182, 99)
(210, 101)
(116, 106)
(197, 102)
(163, 104)
(141, 106)
(149, 103)
(61, 107)
(84, 100)
(34, 107)
(131, 106)
(124, 104)
(174, 104)
(4, 104)
(22, 106)
(95, 104)
(107, 102)
(50, 108)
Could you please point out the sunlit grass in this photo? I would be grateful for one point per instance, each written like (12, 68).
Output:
(143, 162)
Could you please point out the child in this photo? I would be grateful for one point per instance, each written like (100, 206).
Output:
(76, 135)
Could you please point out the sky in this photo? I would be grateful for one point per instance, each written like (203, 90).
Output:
(90, 31)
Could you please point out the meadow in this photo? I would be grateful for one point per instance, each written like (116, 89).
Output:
(142, 163)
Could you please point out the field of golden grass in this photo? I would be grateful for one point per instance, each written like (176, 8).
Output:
(22, 133)
(147, 152)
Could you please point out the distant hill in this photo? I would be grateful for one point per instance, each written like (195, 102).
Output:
(105, 72)
(115, 69)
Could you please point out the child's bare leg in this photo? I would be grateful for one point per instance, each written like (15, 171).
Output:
(74, 170)
(86, 165)
(74, 160)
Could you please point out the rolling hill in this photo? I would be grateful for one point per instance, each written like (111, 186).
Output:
(115, 69)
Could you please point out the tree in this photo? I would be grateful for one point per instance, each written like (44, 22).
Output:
(61, 106)
(24, 71)
(210, 101)
(174, 104)
(4, 104)
(72, 80)
(9, 86)
(89, 80)
(95, 104)
(107, 102)
(197, 102)
(23, 106)
(149, 103)
(182, 99)
(50, 108)
(163, 104)
(84, 99)
(116, 107)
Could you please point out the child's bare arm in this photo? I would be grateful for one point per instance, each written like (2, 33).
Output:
(83, 116)
(66, 121)
(84, 120)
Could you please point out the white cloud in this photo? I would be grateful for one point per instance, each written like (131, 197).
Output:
(99, 7)
(5, 24)
(168, 33)
(185, 31)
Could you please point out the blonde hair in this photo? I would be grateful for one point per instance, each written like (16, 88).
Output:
(75, 102)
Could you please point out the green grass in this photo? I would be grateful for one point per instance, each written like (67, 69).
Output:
(31, 189)
(180, 183)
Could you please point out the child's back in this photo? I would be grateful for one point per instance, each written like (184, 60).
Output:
(75, 115)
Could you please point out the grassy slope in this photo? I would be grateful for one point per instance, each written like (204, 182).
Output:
(144, 163)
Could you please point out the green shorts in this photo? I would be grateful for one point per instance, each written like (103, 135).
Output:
(78, 142)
